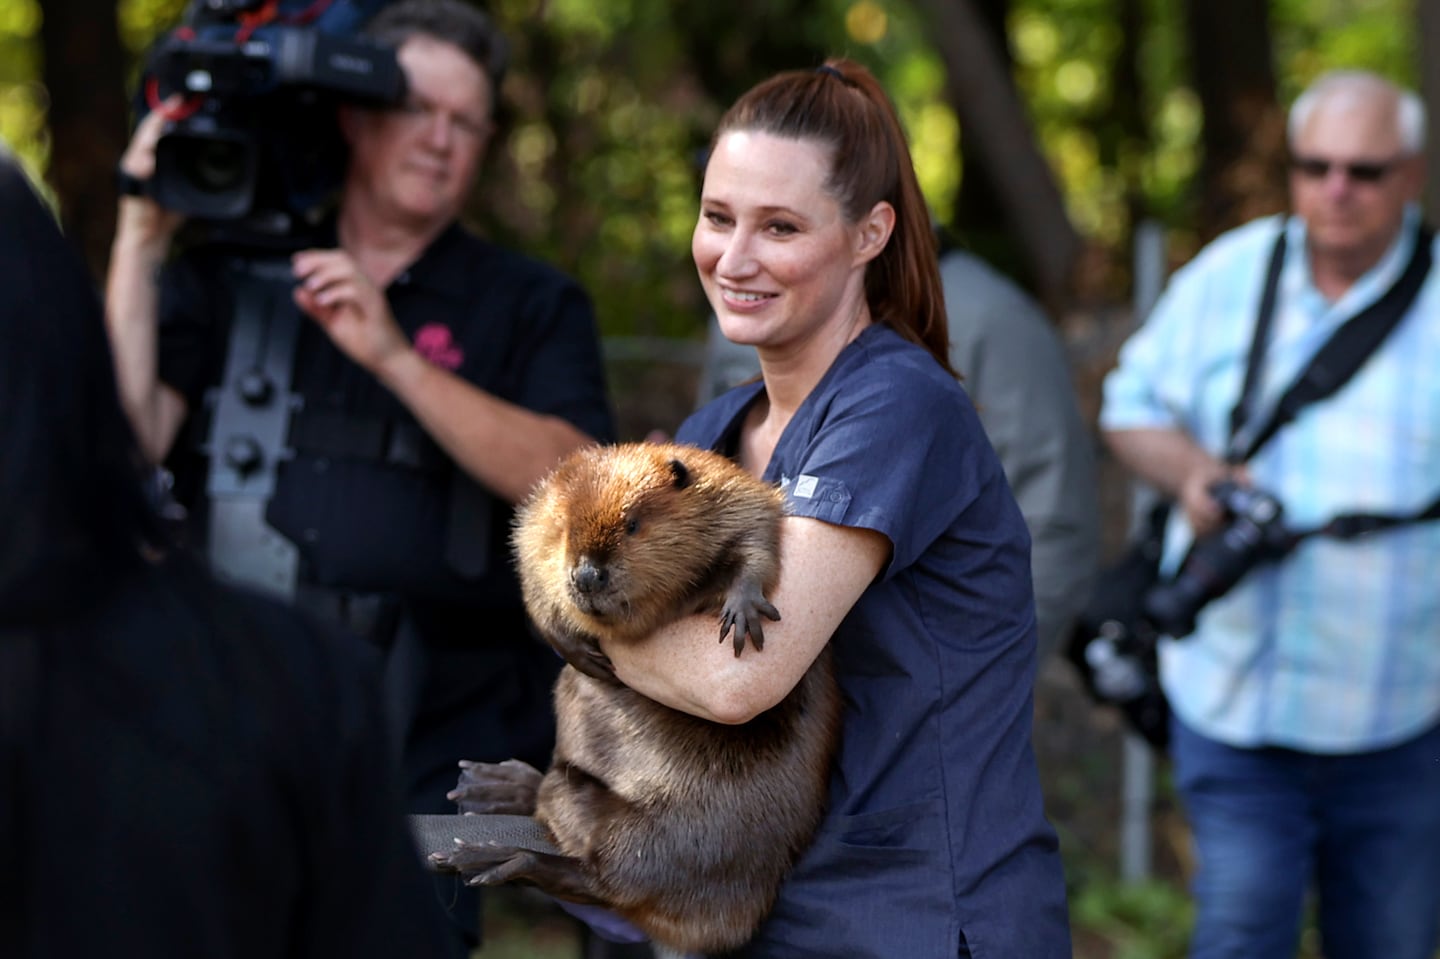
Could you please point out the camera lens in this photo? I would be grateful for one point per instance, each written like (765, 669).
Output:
(207, 171)
(1218, 561)
(1172, 606)
(215, 166)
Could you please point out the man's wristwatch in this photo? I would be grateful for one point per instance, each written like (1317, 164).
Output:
(128, 185)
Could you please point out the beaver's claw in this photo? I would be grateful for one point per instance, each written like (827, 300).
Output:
(584, 653)
(496, 789)
(492, 863)
(744, 614)
(483, 864)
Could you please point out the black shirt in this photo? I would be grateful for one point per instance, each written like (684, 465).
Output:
(510, 325)
(202, 773)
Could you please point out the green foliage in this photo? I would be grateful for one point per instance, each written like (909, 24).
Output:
(597, 171)
(141, 21)
(1137, 920)
(611, 102)
(612, 106)
(1312, 36)
(1066, 56)
(23, 102)
(22, 99)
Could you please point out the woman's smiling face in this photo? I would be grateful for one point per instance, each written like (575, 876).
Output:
(774, 252)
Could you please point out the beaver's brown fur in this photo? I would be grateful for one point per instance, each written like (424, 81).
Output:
(683, 826)
(620, 540)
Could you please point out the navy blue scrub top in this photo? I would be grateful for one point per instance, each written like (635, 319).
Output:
(935, 840)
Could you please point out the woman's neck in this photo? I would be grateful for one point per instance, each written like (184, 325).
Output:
(791, 374)
(791, 371)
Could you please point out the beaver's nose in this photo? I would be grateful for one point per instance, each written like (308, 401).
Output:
(589, 578)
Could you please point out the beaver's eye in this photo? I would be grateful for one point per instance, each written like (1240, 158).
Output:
(632, 526)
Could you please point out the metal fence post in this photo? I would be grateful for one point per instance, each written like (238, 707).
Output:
(1137, 796)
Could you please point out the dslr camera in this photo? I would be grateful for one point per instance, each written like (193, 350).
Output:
(1254, 532)
(1113, 642)
(256, 144)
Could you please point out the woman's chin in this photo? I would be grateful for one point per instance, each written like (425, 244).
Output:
(742, 330)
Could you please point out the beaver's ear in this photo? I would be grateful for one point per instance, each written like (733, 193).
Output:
(682, 475)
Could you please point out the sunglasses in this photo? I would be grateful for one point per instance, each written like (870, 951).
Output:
(1315, 168)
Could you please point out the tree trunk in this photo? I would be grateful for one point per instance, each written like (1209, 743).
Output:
(84, 74)
(997, 133)
(1243, 162)
(1130, 131)
(1429, 23)
(979, 218)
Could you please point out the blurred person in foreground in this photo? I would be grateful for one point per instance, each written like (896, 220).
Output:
(1306, 703)
(185, 769)
(483, 363)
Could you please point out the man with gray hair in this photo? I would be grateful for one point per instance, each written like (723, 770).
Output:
(1306, 700)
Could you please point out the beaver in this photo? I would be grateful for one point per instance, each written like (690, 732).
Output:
(620, 540)
(683, 826)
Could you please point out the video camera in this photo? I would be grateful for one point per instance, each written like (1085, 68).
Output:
(256, 144)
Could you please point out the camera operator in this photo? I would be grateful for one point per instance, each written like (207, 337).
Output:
(1305, 727)
(487, 361)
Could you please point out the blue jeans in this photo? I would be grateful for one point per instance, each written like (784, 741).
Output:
(1362, 831)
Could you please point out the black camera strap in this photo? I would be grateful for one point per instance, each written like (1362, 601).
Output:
(1332, 366)
(1335, 362)
(1258, 342)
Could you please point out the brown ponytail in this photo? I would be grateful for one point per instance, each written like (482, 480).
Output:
(842, 105)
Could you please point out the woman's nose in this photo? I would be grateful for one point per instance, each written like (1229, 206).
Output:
(737, 258)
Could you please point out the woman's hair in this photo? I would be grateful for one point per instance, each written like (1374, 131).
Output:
(842, 106)
(73, 501)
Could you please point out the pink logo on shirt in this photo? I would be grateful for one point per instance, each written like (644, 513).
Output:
(435, 343)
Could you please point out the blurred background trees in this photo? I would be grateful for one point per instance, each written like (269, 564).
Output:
(1043, 129)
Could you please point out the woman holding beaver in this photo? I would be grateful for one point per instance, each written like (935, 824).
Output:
(903, 549)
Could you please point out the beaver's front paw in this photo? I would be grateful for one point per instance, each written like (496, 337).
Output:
(496, 789)
(584, 653)
(744, 614)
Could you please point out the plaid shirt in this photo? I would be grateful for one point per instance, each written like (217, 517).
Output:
(1337, 648)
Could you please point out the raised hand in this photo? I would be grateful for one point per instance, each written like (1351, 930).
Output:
(352, 310)
(141, 216)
